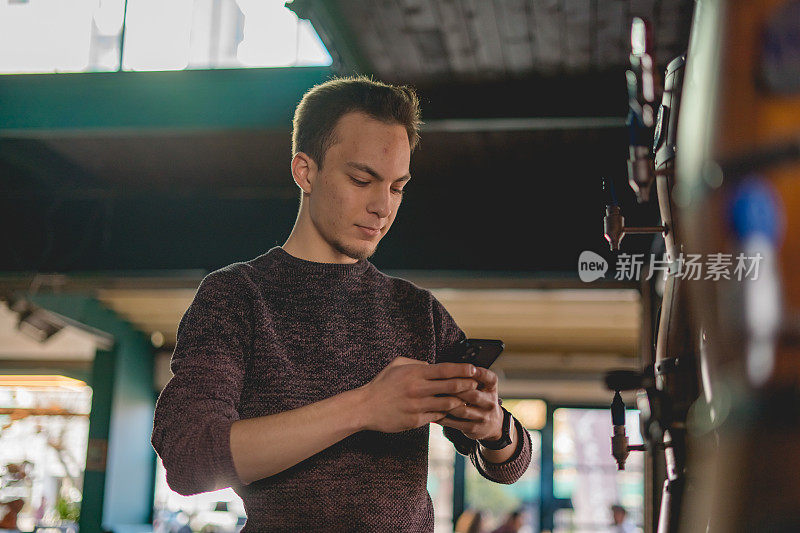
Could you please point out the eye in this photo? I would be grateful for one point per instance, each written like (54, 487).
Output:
(398, 191)
(359, 182)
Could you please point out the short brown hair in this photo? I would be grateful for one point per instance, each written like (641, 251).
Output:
(323, 105)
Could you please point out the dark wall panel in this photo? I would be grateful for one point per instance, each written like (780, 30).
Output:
(523, 201)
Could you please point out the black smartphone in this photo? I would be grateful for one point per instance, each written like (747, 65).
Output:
(479, 352)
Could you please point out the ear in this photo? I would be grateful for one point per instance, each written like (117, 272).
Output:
(304, 171)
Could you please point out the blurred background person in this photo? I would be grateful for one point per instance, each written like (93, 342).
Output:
(513, 523)
(621, 522)
(470, 521)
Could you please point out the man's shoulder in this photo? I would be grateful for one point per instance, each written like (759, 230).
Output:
(400, 287)
(231, 281)
(246, 270)
(233, 273)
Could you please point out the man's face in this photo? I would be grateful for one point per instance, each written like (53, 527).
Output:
(356, 194)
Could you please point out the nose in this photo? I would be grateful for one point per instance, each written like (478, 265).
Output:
(380, 202)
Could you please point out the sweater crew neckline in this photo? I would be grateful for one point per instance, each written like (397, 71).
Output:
(296, 264)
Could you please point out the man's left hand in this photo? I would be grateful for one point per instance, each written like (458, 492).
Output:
(481, 417)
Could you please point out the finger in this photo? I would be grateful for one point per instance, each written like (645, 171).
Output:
(444, 404)
(449, 370)
(486, 377)
(481, 399)
(434, 417)
(450, 386)
(468, 412)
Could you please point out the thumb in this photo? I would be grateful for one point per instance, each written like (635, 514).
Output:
(400, 360)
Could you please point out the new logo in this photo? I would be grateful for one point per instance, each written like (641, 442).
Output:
(591, 266)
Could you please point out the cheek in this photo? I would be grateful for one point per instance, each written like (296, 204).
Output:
(397, 207)
(343, 206)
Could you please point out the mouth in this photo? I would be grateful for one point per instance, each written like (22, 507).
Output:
(369, 231)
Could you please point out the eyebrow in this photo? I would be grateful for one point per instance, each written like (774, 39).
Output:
(369, 170)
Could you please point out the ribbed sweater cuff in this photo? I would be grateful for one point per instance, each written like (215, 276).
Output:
(220, 456)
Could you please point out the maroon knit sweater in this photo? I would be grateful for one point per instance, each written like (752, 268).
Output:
(277, 333)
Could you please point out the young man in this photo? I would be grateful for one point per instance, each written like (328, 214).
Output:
(305, 378)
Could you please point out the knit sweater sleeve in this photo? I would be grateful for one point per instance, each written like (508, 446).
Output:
(195, 411)
(448, 334)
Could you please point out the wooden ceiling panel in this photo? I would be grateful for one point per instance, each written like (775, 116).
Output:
(419, 15)
(610, 43)
(420, 40)
(406, 39)
(482, 23)
(376, 43)
(456, 38)
(579, 28)
(515, 35)
(547, 24)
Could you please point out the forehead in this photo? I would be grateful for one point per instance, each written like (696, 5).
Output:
(361, 137)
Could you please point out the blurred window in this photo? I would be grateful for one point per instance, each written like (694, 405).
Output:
(586, 473)
(220, 510)
(44, 432)
(441, 459)
(85, 35)
(494, 500)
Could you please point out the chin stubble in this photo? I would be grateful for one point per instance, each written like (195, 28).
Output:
(353, 253)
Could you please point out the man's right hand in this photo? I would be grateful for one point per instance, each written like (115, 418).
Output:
(404, 394)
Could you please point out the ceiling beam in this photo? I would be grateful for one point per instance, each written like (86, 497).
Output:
(43, 105)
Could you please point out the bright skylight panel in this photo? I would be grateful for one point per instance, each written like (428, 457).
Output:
(85, 35)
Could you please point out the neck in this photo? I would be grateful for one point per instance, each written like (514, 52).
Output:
(305, 242)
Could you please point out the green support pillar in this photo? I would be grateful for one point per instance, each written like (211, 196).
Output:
(94, 478)
(120, 463)
(459, 486)
(547, 503)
